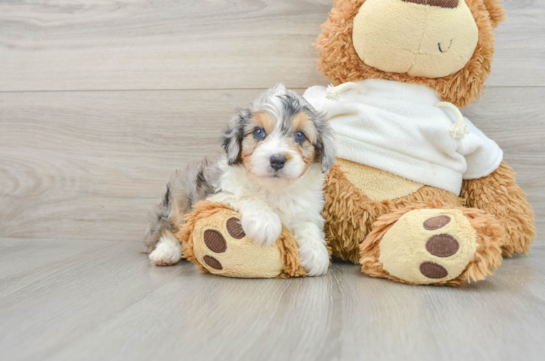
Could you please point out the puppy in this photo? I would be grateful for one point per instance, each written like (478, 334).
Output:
(276, 155)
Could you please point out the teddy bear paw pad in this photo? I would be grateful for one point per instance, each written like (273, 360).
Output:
(428, 246)
(222, 247)
(435, 223)
(212, 262)
(433, 270)
(215, 241)
(235, 228)
(442, 245)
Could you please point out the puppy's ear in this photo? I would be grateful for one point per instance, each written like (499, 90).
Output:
(279, 89)
(234, 134)
(326, 142)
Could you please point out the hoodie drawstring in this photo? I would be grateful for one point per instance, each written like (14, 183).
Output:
(459, 129)
(334, 92)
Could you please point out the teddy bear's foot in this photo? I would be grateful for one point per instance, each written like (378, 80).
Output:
(438, 246)
(214, 239)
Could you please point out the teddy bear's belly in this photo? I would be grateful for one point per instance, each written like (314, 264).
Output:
(378, 185)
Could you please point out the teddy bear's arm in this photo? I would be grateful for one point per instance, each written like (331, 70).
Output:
(499, 195)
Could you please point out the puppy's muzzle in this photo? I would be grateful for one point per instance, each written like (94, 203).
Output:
(278, 161)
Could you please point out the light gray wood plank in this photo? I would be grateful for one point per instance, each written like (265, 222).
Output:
(111, 304)
(72, 296)
(189, 44)
(89, 165)
(23, 261)
(519, 59)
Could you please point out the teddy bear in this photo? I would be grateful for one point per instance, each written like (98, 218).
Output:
(418, 195)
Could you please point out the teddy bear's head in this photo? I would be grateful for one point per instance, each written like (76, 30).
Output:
(447, 45)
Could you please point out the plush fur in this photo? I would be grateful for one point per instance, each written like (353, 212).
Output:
(276, 155)
(500, 196)
(355, 224)
(350, 215)
(340, 63)
(205, 210)
(496, 12)
(486, 259)
(377, 184)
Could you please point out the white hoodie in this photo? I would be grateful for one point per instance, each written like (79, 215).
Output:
(396, 127)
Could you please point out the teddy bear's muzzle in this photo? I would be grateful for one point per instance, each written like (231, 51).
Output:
(424, 38)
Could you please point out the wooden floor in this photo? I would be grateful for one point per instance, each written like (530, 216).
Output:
(101, 100)
(100, 300)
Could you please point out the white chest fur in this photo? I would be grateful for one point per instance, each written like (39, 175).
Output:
(298, 202)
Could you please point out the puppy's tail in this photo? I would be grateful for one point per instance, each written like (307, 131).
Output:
(160, 221)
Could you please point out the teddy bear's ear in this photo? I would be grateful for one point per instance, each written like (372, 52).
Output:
(495, 11)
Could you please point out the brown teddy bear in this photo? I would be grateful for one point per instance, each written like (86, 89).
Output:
(418, 195)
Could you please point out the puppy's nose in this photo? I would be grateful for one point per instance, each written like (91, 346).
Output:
(278, 161)
(449, 4)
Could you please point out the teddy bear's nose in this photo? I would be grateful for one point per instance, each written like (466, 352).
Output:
(450, 4)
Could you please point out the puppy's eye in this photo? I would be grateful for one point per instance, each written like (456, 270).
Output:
(300, 137)
(259, 133)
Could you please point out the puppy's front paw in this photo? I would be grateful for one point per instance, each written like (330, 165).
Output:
(314, 258)
(263, 228)
(166, 255)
